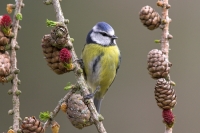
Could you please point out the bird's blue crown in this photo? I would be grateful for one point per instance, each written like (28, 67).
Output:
(103, 26)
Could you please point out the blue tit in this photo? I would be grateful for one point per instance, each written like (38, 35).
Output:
(101, 59)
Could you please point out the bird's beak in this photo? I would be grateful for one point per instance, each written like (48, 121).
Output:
(114, 37)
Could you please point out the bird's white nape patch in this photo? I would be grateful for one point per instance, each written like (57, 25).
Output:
(99, 39)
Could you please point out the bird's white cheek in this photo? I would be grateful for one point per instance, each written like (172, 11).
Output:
(114, 41)
(99, 39)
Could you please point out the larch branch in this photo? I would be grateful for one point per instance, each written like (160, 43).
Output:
(165, 41)
(16, 102)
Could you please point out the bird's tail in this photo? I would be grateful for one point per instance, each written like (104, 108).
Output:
(97, 103)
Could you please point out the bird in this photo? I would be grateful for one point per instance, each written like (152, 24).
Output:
(101, 60)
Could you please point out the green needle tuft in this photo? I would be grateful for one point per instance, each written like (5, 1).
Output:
(19, 16)
(157, 41)
(68, 86)
(51, 23)
(44, 116)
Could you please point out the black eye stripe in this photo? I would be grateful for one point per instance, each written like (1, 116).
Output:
(103, 34)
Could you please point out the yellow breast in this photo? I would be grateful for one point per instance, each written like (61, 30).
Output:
(100, 64)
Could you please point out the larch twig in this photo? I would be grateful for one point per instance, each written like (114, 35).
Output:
(165, 40)
(15, 81)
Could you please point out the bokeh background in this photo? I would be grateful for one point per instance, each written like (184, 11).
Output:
(129, 105)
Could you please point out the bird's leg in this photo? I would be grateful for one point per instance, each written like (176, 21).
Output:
(91, 95)
(80, 61)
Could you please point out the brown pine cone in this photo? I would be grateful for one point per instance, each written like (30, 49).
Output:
(59, 35)
(78, 113)
(165, 94)
(31, 125)
(3, 40)
(158, 66)
(149, 17)
(51, 54)
(4, 64)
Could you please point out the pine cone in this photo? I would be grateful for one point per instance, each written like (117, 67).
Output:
(149, 17)
(59, 35)
(51, 54)
(3, 40)
(4, 64)
(165, 94)
(158, 66)
(78, 112)
(31, 125)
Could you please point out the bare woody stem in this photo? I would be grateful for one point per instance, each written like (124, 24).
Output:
(79, 77)
(67, 96)
(57, 108)
(165, 40)
(168, 130)
(16, 103)
(165, 32)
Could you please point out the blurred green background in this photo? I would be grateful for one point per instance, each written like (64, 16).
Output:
(129, 105)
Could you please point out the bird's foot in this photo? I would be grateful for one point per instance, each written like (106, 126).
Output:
(80, 62)
(89, 96)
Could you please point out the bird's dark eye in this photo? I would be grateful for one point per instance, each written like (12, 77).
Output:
(104, 34)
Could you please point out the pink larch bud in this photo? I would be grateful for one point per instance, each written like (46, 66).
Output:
(5, 21)
(65, 55)
(168, 117)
